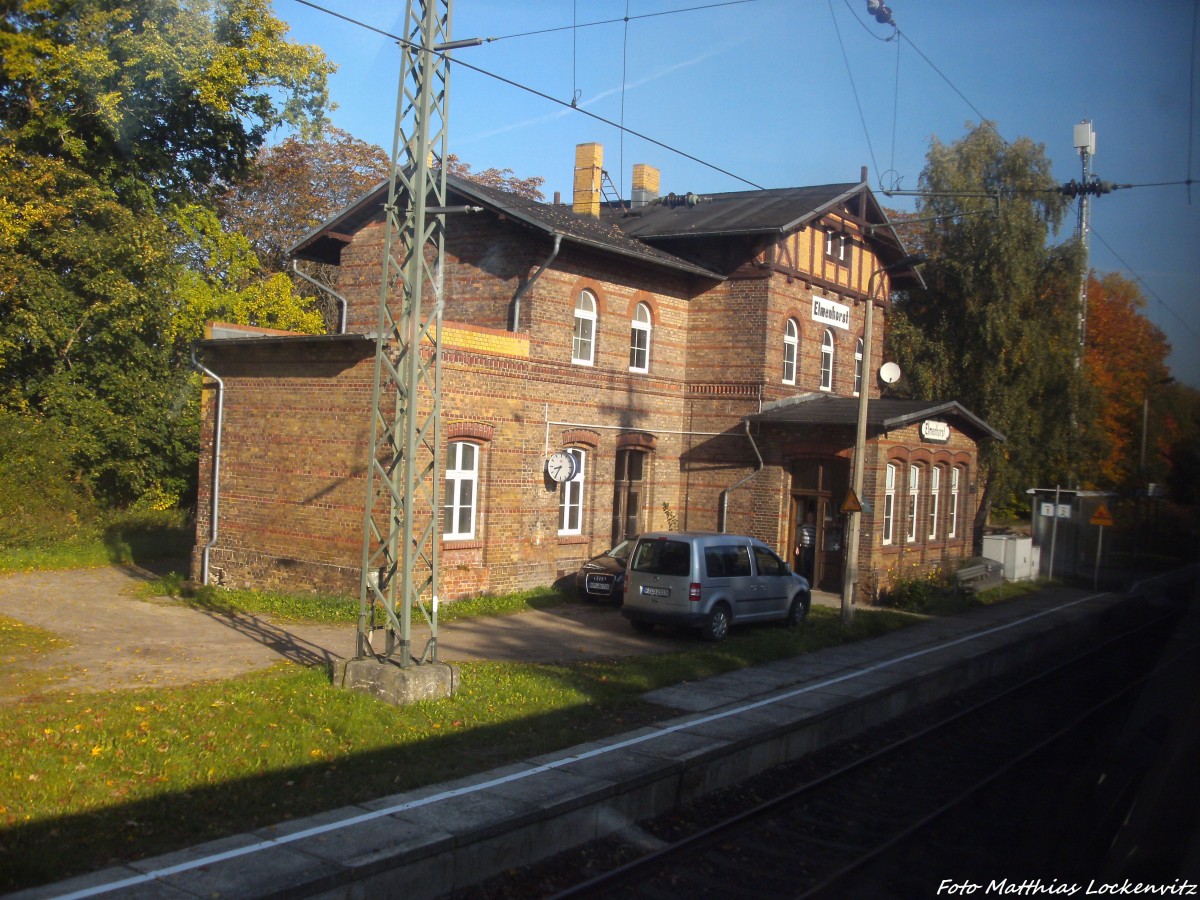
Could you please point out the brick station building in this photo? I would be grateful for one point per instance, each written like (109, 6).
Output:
(698, 358)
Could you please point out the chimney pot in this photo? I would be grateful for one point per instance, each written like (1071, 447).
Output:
(589, 159)
(645, 185)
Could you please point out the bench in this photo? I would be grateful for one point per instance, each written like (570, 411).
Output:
(980, 576)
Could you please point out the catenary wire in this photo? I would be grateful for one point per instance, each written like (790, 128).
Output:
(625, 18)
(853, 87)
(983, 119)
(530, 90)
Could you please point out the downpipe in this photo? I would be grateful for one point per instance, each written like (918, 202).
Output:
(524, 289)
(733, 487)
(216, 469)
(341, 301)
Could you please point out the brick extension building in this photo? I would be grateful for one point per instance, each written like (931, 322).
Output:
(699, 358)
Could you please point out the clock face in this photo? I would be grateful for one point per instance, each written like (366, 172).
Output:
(561, 466)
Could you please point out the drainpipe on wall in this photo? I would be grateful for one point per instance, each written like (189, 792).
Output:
(341, 301)
(524, 289)
(216, 469)
(733, 487)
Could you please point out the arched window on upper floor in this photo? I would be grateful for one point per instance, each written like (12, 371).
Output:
(583, 343)
(827, 360)
(791, 347)
(639, 339)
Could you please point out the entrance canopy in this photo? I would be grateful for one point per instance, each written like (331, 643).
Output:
(882, 415)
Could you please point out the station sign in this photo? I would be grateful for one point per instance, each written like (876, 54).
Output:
(935, 431)
(831, 313)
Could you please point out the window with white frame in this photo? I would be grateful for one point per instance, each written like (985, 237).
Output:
(836, 247)
(858, 361)
(460, 501)
(935, 490)
(952, 518)
(791, 346)
(889, 502)
(639, 339)
(914, 488)
(827, 360)
(570, 497)
(583, 344)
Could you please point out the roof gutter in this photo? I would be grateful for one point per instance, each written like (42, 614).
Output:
(733, 487)
(215, 490)
(524, 289)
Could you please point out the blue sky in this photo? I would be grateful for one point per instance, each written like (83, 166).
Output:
(763, 90)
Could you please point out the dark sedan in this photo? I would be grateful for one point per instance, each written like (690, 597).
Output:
(603, 577)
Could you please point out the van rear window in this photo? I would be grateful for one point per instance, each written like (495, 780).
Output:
(662, 558)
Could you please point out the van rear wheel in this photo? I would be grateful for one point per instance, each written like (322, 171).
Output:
(717, 626)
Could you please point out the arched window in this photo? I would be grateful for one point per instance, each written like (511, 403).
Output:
(952, 510)
(914, 494)
(935, 497)
(791, 344)
(827, 361)
(583, 344)
(639, 339)
(570, 498)
(460, 502)
(858, 360)
(889, 502)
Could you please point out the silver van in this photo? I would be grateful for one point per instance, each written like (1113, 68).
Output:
(710, 581)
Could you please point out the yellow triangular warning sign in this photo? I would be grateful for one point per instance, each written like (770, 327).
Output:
(1102, 517)
(851, 504)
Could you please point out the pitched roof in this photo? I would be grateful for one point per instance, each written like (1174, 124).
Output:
(323, 243)
(885, 414)
(774, 210)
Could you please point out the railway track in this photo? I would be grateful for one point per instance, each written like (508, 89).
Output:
(998, 782)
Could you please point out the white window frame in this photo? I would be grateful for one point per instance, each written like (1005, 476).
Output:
(952, 524)
(914, 494)
(827, 347)
(583, 338)
(791, 351)
(889, 502)
(935, 496)
(639, 339)
(454, 504)
(858, 366)
(570, 497)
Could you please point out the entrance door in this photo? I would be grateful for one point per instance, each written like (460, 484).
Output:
(627, 494)
(819, 486)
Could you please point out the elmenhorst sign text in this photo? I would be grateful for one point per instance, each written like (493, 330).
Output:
(830, 313)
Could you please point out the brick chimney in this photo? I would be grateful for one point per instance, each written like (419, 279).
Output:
(589, 158)
(645, 185)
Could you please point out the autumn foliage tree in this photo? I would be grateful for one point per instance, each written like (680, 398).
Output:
(1126, 357)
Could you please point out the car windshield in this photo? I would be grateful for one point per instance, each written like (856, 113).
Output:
(622, 550)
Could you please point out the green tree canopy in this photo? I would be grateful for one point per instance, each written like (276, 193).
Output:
(998, 327)
(165, 96)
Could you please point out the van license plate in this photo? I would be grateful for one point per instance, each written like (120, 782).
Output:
(656, 591)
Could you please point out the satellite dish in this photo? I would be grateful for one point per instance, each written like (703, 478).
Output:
(889, 373)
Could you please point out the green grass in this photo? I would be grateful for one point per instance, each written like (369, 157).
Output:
(132, 537)
(93, 778)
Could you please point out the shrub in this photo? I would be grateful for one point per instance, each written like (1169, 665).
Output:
(921, 592)
(40, 499)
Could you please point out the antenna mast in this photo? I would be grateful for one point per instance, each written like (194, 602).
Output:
(1085, 143)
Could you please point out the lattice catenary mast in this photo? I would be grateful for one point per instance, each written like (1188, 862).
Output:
(400, 524)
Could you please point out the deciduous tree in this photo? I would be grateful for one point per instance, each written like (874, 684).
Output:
(996, 329)
(158, 99)
(1126, 357)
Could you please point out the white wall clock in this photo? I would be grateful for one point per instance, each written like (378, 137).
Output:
(561, 466)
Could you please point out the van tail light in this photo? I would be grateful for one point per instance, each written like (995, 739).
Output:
(694, 592)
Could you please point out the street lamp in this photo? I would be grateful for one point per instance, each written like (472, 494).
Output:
(850, 576)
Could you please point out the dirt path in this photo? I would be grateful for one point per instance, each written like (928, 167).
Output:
(118, 640)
